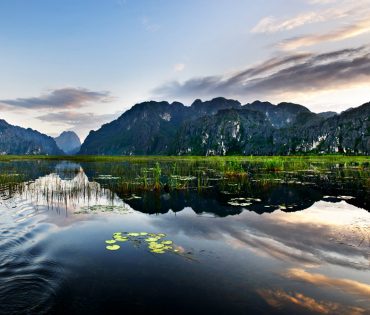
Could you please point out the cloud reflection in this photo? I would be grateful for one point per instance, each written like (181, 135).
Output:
(320, 280)
(324, 233)
(282, 300)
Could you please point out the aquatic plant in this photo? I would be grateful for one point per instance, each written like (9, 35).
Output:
(154, 242)
(157, 171)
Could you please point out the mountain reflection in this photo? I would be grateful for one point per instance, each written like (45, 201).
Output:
(67, 190)
(335, 232)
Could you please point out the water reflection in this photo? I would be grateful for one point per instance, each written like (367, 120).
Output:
(282, 248)
(338, 234)
(335, 232)
(63, 192)
(297, 302)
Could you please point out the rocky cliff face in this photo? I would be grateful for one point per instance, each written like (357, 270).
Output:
(281, 115)
(348, 132)
(149, 127)
(17, 140)
(68, 142)
(222, 126)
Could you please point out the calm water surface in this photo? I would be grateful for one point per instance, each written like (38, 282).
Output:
(295, 243)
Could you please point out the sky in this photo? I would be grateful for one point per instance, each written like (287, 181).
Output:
(76, 64)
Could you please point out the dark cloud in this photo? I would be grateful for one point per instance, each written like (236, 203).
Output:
(296, 72)
(66, 98)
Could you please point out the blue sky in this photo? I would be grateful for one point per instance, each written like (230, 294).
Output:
(75, 64)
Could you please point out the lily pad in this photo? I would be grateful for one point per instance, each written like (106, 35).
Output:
(133, 234)
(155, 242)
(158, 251)
(167, 242)
(121, 239)
(113, 247)
(151, 239)
(156, 245)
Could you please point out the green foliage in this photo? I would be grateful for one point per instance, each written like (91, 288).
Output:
(154, 242)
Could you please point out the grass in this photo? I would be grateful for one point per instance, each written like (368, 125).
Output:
(127, 175)
(142, 173)
(329, 158)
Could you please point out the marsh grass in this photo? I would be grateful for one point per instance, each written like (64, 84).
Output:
(129, 175)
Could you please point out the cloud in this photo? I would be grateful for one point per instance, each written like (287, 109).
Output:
(271, 25)
(296, 72)
(81, 123)
(179, 67)
(65, 98)
(346, 32)
(282, 299)
(307, 238)
(346, 9)
(149, 25)
(346, 285)
(321, 1)
(74, 118)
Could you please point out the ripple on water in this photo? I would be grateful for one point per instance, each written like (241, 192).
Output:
(29, 278)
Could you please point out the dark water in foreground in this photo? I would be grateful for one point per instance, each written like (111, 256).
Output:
(275, 246)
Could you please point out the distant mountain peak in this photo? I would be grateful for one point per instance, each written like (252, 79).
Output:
(68, 142)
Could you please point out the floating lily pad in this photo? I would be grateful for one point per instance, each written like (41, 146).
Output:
(133, 234)
(121, 239)
(113, 247)
(155, 242)
(155, 245)
(166, 242)
(151, 239)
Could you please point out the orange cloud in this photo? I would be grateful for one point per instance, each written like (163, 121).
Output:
(346, 285)
(346, 32)
(281, 299)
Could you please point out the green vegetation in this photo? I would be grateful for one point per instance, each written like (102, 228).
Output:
(154, 242)
(327, 158)
(131, 175)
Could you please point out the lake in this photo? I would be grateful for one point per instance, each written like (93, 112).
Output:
(184, 236)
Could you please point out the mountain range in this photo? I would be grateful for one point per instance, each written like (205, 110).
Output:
(216, 127)
(17, 140)
(226, 127)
